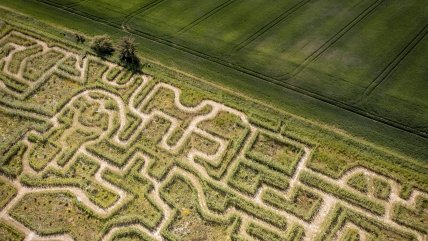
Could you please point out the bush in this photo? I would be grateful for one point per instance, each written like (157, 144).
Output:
(102, 45)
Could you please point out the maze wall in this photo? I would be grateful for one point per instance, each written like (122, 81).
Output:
(122, 158)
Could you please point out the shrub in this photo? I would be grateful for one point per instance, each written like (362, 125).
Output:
(277, 154)
(102, 45)
(414, 218)
(295, 233)
(10, 233)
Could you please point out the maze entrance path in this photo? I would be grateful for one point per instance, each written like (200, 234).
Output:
(108, 155)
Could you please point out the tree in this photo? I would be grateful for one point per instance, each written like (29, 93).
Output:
(102, 45)
(127, 53)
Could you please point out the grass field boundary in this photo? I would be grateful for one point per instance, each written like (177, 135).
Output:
(247, 71)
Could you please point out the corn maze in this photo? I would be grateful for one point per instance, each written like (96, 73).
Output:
(122, 158)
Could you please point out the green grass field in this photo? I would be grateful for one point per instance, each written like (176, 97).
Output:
(316, 46)
(255, 120)
(304, 57)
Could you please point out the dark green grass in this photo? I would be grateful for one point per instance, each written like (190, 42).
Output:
(283, 99)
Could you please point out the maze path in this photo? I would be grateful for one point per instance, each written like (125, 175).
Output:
(108, 123)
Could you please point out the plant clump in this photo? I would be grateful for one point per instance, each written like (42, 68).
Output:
(127, 53)
(103, 45)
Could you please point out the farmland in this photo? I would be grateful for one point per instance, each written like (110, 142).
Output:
(311, 46)
(304, 57)
(93, 151)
